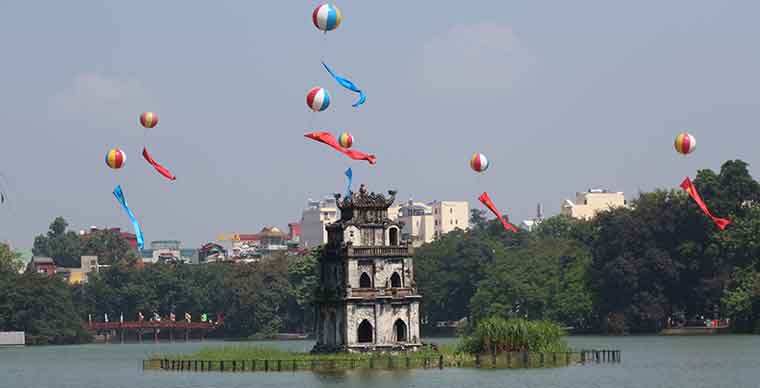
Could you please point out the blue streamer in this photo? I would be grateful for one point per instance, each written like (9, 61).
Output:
(348, 85)
(350, 175)
(123, 201)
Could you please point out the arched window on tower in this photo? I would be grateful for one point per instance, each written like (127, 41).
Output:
(399, 330)
(393, 236)
(364, 333)
(395, 280)
(365, 281)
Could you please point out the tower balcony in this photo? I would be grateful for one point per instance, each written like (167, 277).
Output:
(374, 293)
(372, 251)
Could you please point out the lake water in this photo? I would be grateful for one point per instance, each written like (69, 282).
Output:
(647, 361)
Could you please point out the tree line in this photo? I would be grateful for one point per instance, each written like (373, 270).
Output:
(629, 269)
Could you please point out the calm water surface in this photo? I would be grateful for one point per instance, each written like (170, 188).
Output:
(650, 361)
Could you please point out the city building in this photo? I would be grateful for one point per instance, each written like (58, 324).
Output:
(367, 298)
(449, 216)
(531, 224)
(43, 265)
(168, 251)
(394, 212)
(294, 232)
(211, 253)
(588, 203)
(81, 274)
(422, 223)
(314, 219)
(418, 223)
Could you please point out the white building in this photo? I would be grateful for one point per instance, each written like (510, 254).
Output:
(418, 222)
(314, 218)
(587, 204)
(424, 223)
(449, 216)
(531, 224)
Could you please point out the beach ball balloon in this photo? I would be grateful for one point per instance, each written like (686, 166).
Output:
(479, 162)
(115, 158)
(318, 99)
(685, 143)
(148, 119)
(346, 140)
(326, 17)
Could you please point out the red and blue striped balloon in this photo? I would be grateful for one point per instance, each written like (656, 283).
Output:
(326, 17)
(318, 99)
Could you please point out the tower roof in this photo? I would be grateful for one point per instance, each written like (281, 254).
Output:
(366, 200)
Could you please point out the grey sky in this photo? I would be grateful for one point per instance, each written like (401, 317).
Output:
(561, 96)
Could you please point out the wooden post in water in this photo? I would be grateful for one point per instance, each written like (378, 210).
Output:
(266, 365)
(407, 362)
(554, 358)
(526, 359)
(279, 365)
(294, 365)
(440, 361)
(509, 359)
(234, 366)
(477, 360)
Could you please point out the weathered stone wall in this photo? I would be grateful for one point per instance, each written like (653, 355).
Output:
(352, 235)
(384, 269)
(363, 266)
(331, 325)
(408, 274)
(356, 314)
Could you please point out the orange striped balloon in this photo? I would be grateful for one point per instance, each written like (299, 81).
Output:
(115, 158)
(685, 143)
(148, 119)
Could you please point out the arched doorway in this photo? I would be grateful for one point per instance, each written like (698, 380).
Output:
(365, 332)
(365, 281)
(393, 236)
(399, 328)
(395, 280)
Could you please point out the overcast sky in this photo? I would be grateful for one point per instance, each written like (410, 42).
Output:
(561, 97)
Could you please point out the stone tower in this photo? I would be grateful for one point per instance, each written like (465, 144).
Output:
(367, 299)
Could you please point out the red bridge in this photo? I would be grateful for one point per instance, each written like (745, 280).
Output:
(156, 328)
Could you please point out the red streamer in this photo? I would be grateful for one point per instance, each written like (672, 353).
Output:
(161, 169)
(486, 200)
(329, 139)
(689, 187)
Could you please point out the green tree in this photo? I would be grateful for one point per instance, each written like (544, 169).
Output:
(544, 279)
(303, 279)
(110, 247)
(9, 261)
(257, 298)
(64, 247)
(43, 307)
